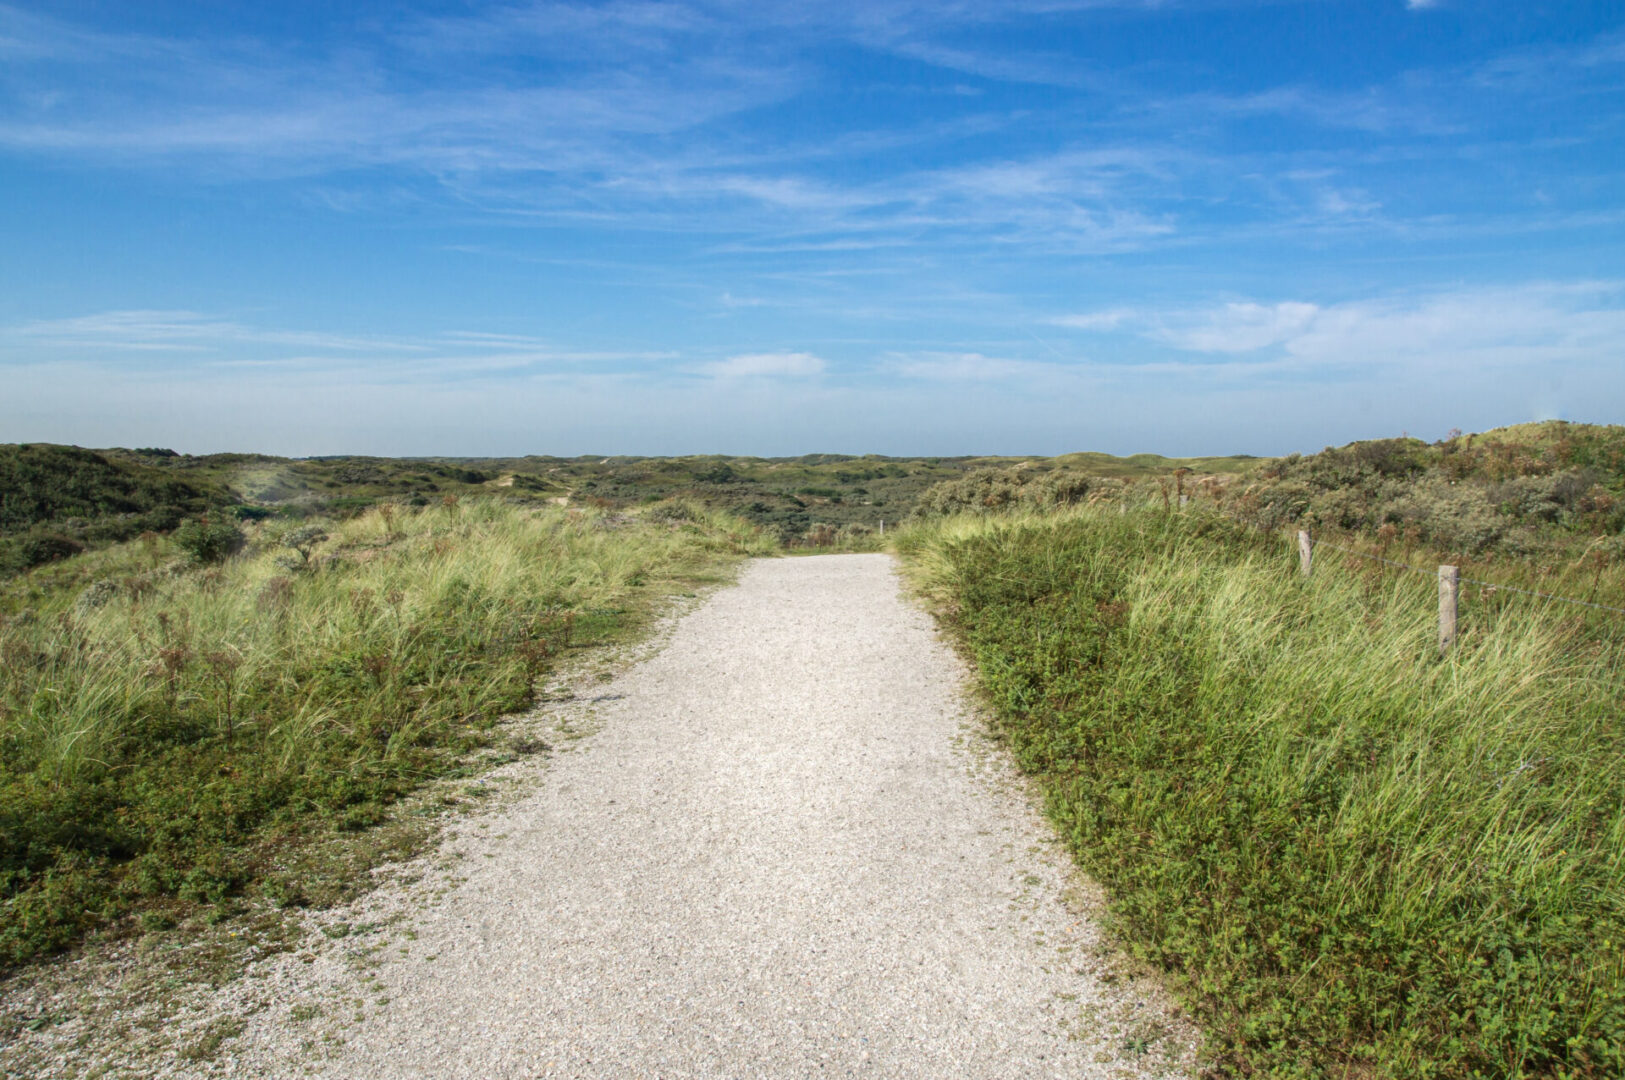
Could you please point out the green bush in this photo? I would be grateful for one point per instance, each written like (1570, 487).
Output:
(206, 541)
(301, 541)
(675, 511)
(41, 548)
(984, 491)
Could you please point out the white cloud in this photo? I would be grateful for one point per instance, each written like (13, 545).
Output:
(145, 330)
(968, 366)
(1534, 324)
(169, 340)
(752, 365)
(1539, 323)
(1238, 327)
(1350, 202)
(1108, 319)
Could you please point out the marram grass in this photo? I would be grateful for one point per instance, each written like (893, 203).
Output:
(1355, 857)
(162, 733)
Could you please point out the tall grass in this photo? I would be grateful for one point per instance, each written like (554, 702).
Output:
(1357, 858)
(162, 733)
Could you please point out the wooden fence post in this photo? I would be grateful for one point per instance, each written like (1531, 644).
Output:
(882, 526)
(1449, 594)
(1306, 553)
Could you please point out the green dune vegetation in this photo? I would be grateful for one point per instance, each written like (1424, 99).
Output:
(56, 501)
(1537, 505)
(1354, 856)
(215, 697)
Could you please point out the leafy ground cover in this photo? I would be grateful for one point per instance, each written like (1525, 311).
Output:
(170, 731)
(1355, 857)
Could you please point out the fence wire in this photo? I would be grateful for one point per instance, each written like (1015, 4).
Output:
(1468, 581)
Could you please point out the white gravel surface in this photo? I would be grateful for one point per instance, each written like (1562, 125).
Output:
(787, 851)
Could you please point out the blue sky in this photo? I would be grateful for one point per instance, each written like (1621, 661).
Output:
(773, 228)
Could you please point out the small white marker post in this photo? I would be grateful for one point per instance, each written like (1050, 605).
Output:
(1449, 597)
(1306, 553)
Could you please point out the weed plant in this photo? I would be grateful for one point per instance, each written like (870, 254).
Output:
(1357, 858)
(171, 730)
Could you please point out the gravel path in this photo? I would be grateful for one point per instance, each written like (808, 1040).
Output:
(786, 852)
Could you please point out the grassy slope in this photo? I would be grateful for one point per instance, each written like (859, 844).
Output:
(56, 499)
(1538, 506)
(1504, 490)
(44, 484)
(1518, 492)
(1357, 859)
(171, 741)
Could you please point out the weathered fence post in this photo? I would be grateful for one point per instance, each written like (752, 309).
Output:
(882, 526)
(1449, 593)
(1306, 552)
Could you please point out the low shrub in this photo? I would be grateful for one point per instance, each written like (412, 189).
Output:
(40, 548)
(208, 541)
(303, 540)
(675, 511)
(986, 491)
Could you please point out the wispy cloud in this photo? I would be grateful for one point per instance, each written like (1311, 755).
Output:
(764, 365)
(1489, 355)
(966, 367)
(1489, 327)
(169, 340)
(648, 114)
(184, 331)
(1238, 327)
(1378, 109)
(275, 110)
(1109, 319)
